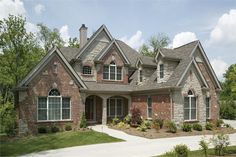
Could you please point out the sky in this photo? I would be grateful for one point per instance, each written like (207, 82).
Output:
(213, 22)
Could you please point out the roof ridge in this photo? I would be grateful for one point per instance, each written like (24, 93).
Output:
(186, 44)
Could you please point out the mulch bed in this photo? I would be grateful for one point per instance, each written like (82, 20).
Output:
(162, 133)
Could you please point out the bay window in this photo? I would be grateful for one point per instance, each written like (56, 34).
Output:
(54, 107)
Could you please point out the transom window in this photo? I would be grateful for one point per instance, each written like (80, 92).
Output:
(112, 72)
(87, 70)
(190, 107)
(54, 107)
(208, 108)
(115, 107)
(161, 66)
(149, 107)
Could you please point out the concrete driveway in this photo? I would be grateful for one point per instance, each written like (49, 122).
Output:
(133, 147)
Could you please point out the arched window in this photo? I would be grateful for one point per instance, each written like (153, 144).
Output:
(190, 107)
(87, 70)
(112, 72)
(54, 107)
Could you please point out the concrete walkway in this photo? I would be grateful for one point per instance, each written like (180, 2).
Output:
(133, 147)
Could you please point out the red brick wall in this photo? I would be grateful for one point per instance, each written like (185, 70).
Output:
(41, 85)
(161, 106)
(213, 93)
(107, 59)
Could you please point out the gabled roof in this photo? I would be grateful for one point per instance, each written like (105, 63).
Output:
(93, 37)
(42, 64)
(69, 52)
(106, 50)
(146, 61)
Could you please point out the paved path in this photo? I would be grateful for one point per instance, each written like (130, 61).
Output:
(133, 147)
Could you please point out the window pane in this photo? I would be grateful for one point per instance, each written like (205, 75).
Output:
(161, 70)
(65, 108)
(208, 108)
(149, 101)
(112, 72)
(140, 76)
(65, 102)
(193, 102)
(118, 75)
(42, 114)
(186, 102)
(86, 70)
(186, 114)
(105, 72)
(149, 112)
(119, 107)
(54, 92)
(193, 114)
(65, 113)
(54, 108)
(207, 112)
(42, 102)
(112, 107)
(42, 108)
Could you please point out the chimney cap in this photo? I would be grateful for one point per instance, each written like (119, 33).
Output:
(83, 26)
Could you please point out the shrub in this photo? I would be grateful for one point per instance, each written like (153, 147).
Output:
(209, 126)
(227, 125)
(142, 127)
(159, 122)
(171, 127)
(121, 125)
(55, 129)
(68, 127)
(187, 127)
(127, 119)
(220, 142)
(42, 130)
(115, 121)
(197, 127)
(228, 110)
(135, 117)
(83, 122)
(181, 150)
(204, 146)
(147, 123)
(8, 119)
(219, 123)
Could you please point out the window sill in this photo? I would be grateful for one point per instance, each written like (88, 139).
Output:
(87, 75)
(191, 121)
(112, 80)
(51, 121)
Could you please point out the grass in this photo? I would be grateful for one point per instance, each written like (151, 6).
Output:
(32, 144)
(198, 153)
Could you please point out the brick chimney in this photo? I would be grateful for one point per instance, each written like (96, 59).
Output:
(83, 35)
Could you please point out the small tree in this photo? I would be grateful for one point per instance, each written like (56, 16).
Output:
(135, 117)
(204, 146)
(83, 121)
(181, 150)
(220, 143)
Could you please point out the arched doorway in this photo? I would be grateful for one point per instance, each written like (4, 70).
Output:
(93, 109)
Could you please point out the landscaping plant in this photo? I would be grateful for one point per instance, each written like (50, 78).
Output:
(209, 126)
(171, 127)
(136, 119)
(219, 123)
(55, 129)
(115, 121)
(197, 127)
(42, 130)
(159, 122)
(187, 127)
(83, 122)
(204, 146)
(181, 150)
(220, 142)
(68, 127)
(147, 123)
(127, 119)
(142, 127)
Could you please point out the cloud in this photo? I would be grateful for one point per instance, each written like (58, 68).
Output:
(183, 38)
(219, 67)
(39, 8)
(30, 27)
(64, 34)
(225, 30)
(135, 41)
(15, 7)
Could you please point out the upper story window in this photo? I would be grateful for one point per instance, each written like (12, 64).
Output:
(190, 107)
(140, 75)
(161, 66)
(54, 107)
(87, 70)
(112, 72)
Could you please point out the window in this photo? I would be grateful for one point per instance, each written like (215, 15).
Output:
(112, 72)
(140, 75)
(87, 70)
(54, 107)
(115, 107)
(190, 107)
(208, 108)
(161, 70)
(149, 107)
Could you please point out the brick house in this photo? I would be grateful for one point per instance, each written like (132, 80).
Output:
(106, 77)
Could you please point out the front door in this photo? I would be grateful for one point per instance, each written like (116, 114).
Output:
(90, 109)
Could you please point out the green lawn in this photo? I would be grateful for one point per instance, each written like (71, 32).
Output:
(198, 153)
(52, 141)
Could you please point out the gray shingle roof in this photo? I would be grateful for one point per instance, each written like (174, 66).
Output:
(148, 60)
(69, 52)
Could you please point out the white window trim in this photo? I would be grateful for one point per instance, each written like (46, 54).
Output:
(209, 108)
(122, 107)
(148, 116)
(109, 72)
(48, 110)
(163, 71)
(190, 108)
(87, 70)
(139, 75)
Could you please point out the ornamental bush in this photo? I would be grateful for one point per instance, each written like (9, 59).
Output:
(187, 127)
(115, 121)
(83, 121)
(42, 130)
(127, 119)
(159, 122)
(136, 119)
(171, 127)
(68, 127)
(209, 126)
(181, 150)
(197, 127)
(219, 123)
(220, 143)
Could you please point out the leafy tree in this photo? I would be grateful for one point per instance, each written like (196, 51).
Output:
(49, 37)
(155, 42)
(19, 53)
(229, 85)
(73, 42)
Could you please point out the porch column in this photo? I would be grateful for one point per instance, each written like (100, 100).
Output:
(104, 110)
